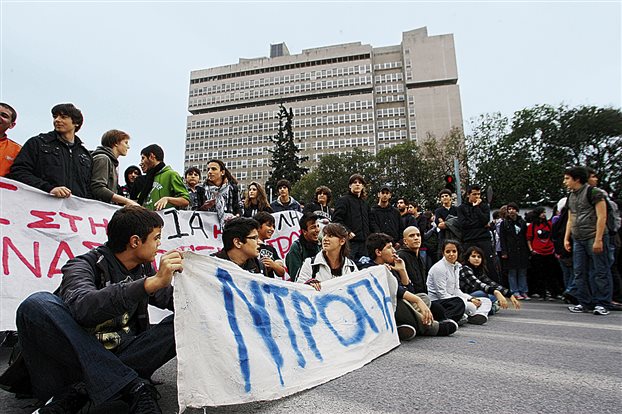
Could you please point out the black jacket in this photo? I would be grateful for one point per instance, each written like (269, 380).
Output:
(389, 221)
(97, 288)
(514, 244)
(45, 162)
(354, 213)
(415, 268)
(474, 221)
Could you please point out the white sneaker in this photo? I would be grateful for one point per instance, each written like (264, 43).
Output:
(601, 310)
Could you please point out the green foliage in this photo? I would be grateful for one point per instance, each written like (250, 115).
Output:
(524, 159)
(285, 161)
(334, 172)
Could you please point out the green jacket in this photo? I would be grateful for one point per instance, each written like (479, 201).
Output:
(166, 183)
(298, 252)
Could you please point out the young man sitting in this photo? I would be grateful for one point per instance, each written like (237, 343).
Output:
(412, 309)
(91, 339)
(240, 239)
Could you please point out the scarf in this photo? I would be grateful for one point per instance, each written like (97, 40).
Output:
(221, 196)
(148, 182)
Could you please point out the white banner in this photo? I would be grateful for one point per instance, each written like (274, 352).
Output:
(39, 233)
(242, 337)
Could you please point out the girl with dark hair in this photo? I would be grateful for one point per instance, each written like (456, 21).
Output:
(332, 261)
(221, 192)
(547, 275)
(474, 280)
(255, 200)
(444, 282)
(131, 174)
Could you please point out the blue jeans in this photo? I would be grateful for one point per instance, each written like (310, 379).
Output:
(592, 273)
(568, 273)
(518, 280)
(58, 352)
(482, 294)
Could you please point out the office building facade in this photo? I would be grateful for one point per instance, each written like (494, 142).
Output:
(343, 97)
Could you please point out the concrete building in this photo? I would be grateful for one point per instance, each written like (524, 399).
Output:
(343, 97)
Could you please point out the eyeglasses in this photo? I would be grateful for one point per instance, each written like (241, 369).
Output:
(255, 237)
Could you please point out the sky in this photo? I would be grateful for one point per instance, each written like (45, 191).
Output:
(127, 64)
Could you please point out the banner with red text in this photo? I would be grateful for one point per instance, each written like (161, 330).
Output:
(39, 233)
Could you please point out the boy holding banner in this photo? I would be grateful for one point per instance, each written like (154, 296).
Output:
(91, 339)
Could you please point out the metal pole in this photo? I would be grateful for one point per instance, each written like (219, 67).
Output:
(457, 175)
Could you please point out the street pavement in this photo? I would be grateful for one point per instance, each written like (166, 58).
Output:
(540, 359)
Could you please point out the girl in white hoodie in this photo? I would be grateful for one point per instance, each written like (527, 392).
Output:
(444, 282)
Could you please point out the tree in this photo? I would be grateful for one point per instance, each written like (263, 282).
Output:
(285, 161)
(524, 159)
(439, 156)
(334, 171)
(405, 170)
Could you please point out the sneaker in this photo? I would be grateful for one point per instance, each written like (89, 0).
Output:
(142, 399)
(478, 319)
(447, 327)
(406, 332)
(600, 310)
(518, 296)
(577, 309)
(69, 401)
(495, 308)
(535, 296)
(463, 320)
(525, 297)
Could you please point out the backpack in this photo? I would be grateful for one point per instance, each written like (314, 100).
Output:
(558, 232)
(613, 215)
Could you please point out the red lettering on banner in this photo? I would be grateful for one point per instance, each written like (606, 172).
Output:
(201, 248)
(63, 247)
(217, 231)
(45, 222)
(7, 186)
(7, 243)
(91, 245)
(72, 220)
(94, 225)
(4, 221)
(284, 243)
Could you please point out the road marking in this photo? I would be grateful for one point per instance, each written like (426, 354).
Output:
(565, 323)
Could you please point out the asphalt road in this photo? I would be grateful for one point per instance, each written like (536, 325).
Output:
(541, 359)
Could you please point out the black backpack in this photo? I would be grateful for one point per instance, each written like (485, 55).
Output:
(559, 231)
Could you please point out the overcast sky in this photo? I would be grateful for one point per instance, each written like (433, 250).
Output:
(127, 65)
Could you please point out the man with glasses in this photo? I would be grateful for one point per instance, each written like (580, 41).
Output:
(240, 240)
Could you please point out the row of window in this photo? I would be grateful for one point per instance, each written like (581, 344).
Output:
(281, 68)
(389, 77)
(387, 65)
(266, 115)
(279, 91)
(283, 79)
(392, 135)
(229, 142)
(334, 119)
(383, 113)
(399, 88)
(392, 123)
(334, 107)
(390, 98)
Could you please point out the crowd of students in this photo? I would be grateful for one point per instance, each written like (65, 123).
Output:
(453, 266)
